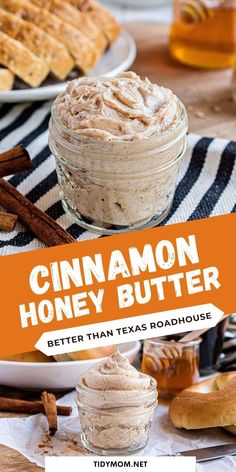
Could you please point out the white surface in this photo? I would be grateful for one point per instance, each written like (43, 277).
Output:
(53, 375)
(117, 59)
(24, 435)
(131, 10)
(179, 464)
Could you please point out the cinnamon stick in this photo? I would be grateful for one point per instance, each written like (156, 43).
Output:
(49, 403)
(44, 227)
(7, 221)
(15, 160)
(13, 405)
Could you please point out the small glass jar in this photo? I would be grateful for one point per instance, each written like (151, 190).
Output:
(203, 33)
(114, 187)
(174, 365)
(115, 422)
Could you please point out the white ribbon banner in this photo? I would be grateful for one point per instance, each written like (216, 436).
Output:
(129, 329)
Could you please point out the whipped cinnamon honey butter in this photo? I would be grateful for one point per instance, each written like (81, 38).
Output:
(116, 405)
(118, 144)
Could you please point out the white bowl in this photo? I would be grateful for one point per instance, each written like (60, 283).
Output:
(53, 375)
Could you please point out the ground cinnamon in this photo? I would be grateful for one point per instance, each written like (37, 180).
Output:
(15, 160)
(7, 221)
(13, 405)
(44, 227)
(49, 402)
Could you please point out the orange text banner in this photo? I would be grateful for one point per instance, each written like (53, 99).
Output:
(112, 278)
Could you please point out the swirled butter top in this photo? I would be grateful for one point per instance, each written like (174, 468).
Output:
(117, 109)
(116, 373)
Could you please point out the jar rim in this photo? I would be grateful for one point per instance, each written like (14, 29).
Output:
(183, 118)
(162, 342)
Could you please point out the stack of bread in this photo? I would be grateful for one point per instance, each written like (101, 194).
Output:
(39, 37)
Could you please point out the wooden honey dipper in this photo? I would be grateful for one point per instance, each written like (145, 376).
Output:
(164, 355)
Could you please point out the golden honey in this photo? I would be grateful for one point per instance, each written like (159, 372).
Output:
(203, 33)
(173, 368)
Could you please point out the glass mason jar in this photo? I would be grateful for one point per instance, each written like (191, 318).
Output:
(113, 187)
(203, 33)
(174, 365)
(115, 422)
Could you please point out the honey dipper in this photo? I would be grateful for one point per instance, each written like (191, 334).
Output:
(174, 351)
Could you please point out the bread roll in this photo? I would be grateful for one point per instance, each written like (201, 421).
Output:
(6, 80)
(39, 42)
(208, 404)
(74, 17)
(86, 354)
(101, 16)
(95, 353)
(34, 356)
(79, 46)
(225, 379)
(21, 61)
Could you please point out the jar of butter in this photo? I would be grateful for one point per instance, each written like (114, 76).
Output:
(116, 405)
(118, 145)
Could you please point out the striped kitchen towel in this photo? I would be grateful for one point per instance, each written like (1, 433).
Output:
(227, 361)
(206, 186)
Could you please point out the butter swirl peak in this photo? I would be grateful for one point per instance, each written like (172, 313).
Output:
(116, 373)
(117, 109)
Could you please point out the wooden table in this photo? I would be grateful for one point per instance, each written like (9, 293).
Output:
(211, 111)
(207, 94)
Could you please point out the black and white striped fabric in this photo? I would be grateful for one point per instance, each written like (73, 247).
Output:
(227, 361)
(206, 187)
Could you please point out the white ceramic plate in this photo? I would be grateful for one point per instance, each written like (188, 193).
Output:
(53, 375)
(117, 59)
(142, 3)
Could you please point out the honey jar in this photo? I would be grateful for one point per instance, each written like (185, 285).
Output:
(173, 364)
(234, 84)
(203, 33)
